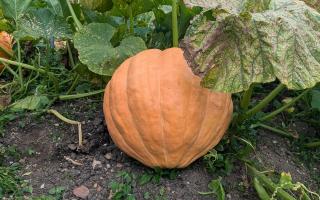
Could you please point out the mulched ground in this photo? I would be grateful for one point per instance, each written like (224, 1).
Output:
(100, 161)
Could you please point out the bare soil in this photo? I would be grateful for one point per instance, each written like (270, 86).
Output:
(53, 142)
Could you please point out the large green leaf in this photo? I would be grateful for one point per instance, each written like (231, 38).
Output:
(313, 3)
(14, 9)
(232, 6)
(96, 51)
(282, 41)
(42, 23)
(31, 103)
(55, 7)
(99, 5)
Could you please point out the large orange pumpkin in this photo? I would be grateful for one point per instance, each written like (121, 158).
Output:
(157, 112)
(6, 44)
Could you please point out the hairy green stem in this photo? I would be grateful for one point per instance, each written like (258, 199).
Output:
(69, 121)
(284, 107)
(312, 144)
(131, 21)
(11, 71)
(175, 31)
(23, 65)
(74, 83)
(77, 96)
(262, 104)
(275, 130)
(19, 67)
(71, 59)
(264, 180)
(245, 100)
(74, 16)
(262, 193)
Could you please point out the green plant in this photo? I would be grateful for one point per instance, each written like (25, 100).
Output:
(216, 188)
(262, 184)
(156, 174)
(124, 189)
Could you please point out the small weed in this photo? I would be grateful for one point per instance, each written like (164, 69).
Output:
(124, 189)
(146, 195)
(56, 137)
(5, 117)
(217, 162)
(21, 124)
(9, 152)
(57, 192)
(156, 175)
(161, 195)
(216, 188)
(30, 151)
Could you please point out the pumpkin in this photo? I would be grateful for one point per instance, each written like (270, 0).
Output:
(5, 46)
(157, 112)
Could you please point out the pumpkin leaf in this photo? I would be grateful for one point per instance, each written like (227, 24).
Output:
(31, 103)
(42, 23)
(14, 9)
(55, 7)
(313, 3)
(237, 50)
(97, 52)
(216, 188)
(315, 102)
(231, 6)
(122, 7)
(286, 181)
(99, 5)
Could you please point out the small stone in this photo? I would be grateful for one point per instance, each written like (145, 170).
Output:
(108, 166)
(108, 156)
(42, 186)
(56, 124)
(97, 121)
(99, 188)
(81, 192)
(72, 147)
(96, 163)
(119, 165)
(22, 161)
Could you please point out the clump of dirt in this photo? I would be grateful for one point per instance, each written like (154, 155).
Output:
(56, 162)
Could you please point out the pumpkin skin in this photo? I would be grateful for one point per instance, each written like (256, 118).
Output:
(5, 43)
(157, 112)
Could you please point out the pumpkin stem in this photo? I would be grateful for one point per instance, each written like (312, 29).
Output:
(263, 103)
(19, 67)
(268, 183)
(312, 145)
(26, 66)
(286, 106)
(130, 19)
(69, 121)
(74, 16)
(175, 32)
(278, 131)
(246, 97)
(81, 95)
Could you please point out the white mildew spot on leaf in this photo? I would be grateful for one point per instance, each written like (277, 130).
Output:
(14, 9)
(264, 42)
(97, 52)
(42, 23)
